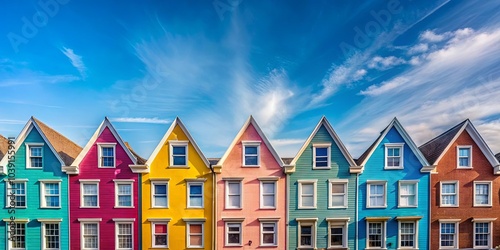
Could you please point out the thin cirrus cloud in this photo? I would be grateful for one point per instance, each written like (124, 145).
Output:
(76, 61)
(154, 120)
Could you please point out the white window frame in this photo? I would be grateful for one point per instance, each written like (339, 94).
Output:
(307, 222)
(401, 155)
(383, 236)
(153, 233)
(153, 183)
(9, 189)
(250, 144)
(82, 182)
(226, 234)
(488, 221)
(188, 193)
(9, 242)
(469, 147)
(457, 232)
(227, 204)
(368, 194)
(43, 195)
(328, 154)
(338, 222)
(315, 193)
(85, 221)
(44, 233)
(173, 144)
(415, 233)
(30, 145)
(400, 195)
(100, 146)
(490, 190)
(119, 222)
(457, 194)
(188, 226)
(344, 182)
(124, 182)
(275, 233)
(274, 194)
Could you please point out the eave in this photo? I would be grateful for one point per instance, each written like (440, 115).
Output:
(139, 169)
(217, 169)
(71, 169)
(289, 169)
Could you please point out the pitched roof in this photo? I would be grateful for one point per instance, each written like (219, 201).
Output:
(406, 137)
(498, 156)
(140, 160)
(268, 144)
(287, 160)
(4, 146)
(213, 161)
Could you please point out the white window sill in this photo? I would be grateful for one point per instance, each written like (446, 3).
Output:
(50, 207)
(393, 168)
(123, 207)
(321, 168)
(377, 207)
(343, 207)
(90, 207)
(305, 208)
(179, 166)
(464, 167)
(486, 205)
(412, 206)
(450, 206)
(250, 166)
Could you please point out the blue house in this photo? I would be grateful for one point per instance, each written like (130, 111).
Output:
(321, 193)
(393, 190)
(35, 190)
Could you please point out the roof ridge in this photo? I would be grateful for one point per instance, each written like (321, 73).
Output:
(57, 132)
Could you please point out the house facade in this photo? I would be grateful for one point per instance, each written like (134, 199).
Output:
(464, 190)
(393, 191)
(322, 193)
(251, 197)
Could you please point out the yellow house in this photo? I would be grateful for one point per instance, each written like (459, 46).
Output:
(177, 194)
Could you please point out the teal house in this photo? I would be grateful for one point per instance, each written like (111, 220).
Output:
(393, 191)
(321, 193)
(34, 213)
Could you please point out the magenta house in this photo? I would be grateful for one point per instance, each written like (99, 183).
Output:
(103, 191)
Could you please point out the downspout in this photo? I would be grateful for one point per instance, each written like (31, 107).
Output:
(356, 212)
(287, 237)
(429, 213)
(139, 210)
(214, 210)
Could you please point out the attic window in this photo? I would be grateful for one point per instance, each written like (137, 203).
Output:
(34, 155)
(464, 157)
(107, 155)
(251, 153)
(178, 153)
(394, 155)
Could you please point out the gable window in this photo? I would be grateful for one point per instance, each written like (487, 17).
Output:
(160, 234)
(449, 194)
(307, 194)
(251, 153)
(464, 157)
(195, 234)
(268, 194)
(106, 155)
(337, 232)
(195, 195)
(307, 233)
(124, 193)
(17, 188)
(448, 233)
(35, 155)
(89, 193)
(89, 233)
(159, 191)
(321, 155)
(408, 193)
(338, 193)
(394, 155)
(19, 242)
(482, 193)
(178, 153)
(376, 234)
(124, 238)
(233, 194)
(483, 233)
(51, 235)
(50, 193)
(233, 234)
(376, 194)
(268, 232)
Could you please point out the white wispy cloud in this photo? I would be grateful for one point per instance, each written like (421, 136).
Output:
(431, 36)
(27, 78)
(154, 120)
(384, 63)
(76, 61)
(11, 122)
(419, 48)
(384, 87)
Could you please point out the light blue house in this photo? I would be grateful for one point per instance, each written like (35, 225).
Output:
(321, 193)
(35, 190)
(393, 205)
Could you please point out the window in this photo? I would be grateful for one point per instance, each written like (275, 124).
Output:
(337, 232)
(321, 156)
(233, 234)
(407, 234)
(307, 233)
(51, 236)
(376, 234)
(107, 155)
(482, 193)
(50, 193)
(19, 233)
(124, 238)
(195, 192)
(178, 153)
(268, 194)
(251, 153)
(90, 235)
(90, 193)
(408, 191)
(338, 193)
(233, 194)
(394, 155)
(268, 233)
(449, 194)
(482, 233)
(160, 234)
(17, 188)
(124, 193)
(159, 191)
(464, 157)
(376, 194)
(448, 233)
(35, 155)
(195, 234)
(307, 193)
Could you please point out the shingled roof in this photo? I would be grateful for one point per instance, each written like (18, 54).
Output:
(4, 146)
(435, 147)
(498, 156)
(140, 160)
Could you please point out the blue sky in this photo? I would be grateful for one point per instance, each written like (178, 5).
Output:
(70, 63)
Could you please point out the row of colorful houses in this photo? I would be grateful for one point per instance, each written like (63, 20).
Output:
(444, 194)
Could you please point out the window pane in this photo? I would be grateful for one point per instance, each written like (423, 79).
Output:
(251, 150)
(307, 189)
(308, 201)
(160, 189)
(195, 189)
(124, 189)
(179, 150)
(268, 201)
(90, 188)
(321, 151)
(251, 160)
(179, 160)
(234, 188)
(195, 228)
(338, 200)
(160, 228)
(338, 188)
(464, 152)
(234, 201)
(268, 188)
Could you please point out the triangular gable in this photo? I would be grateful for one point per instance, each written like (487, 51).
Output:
(4, 146)
(105, 124)
(324, 122)
(406, 137)
(270, 147)
(163, 141)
